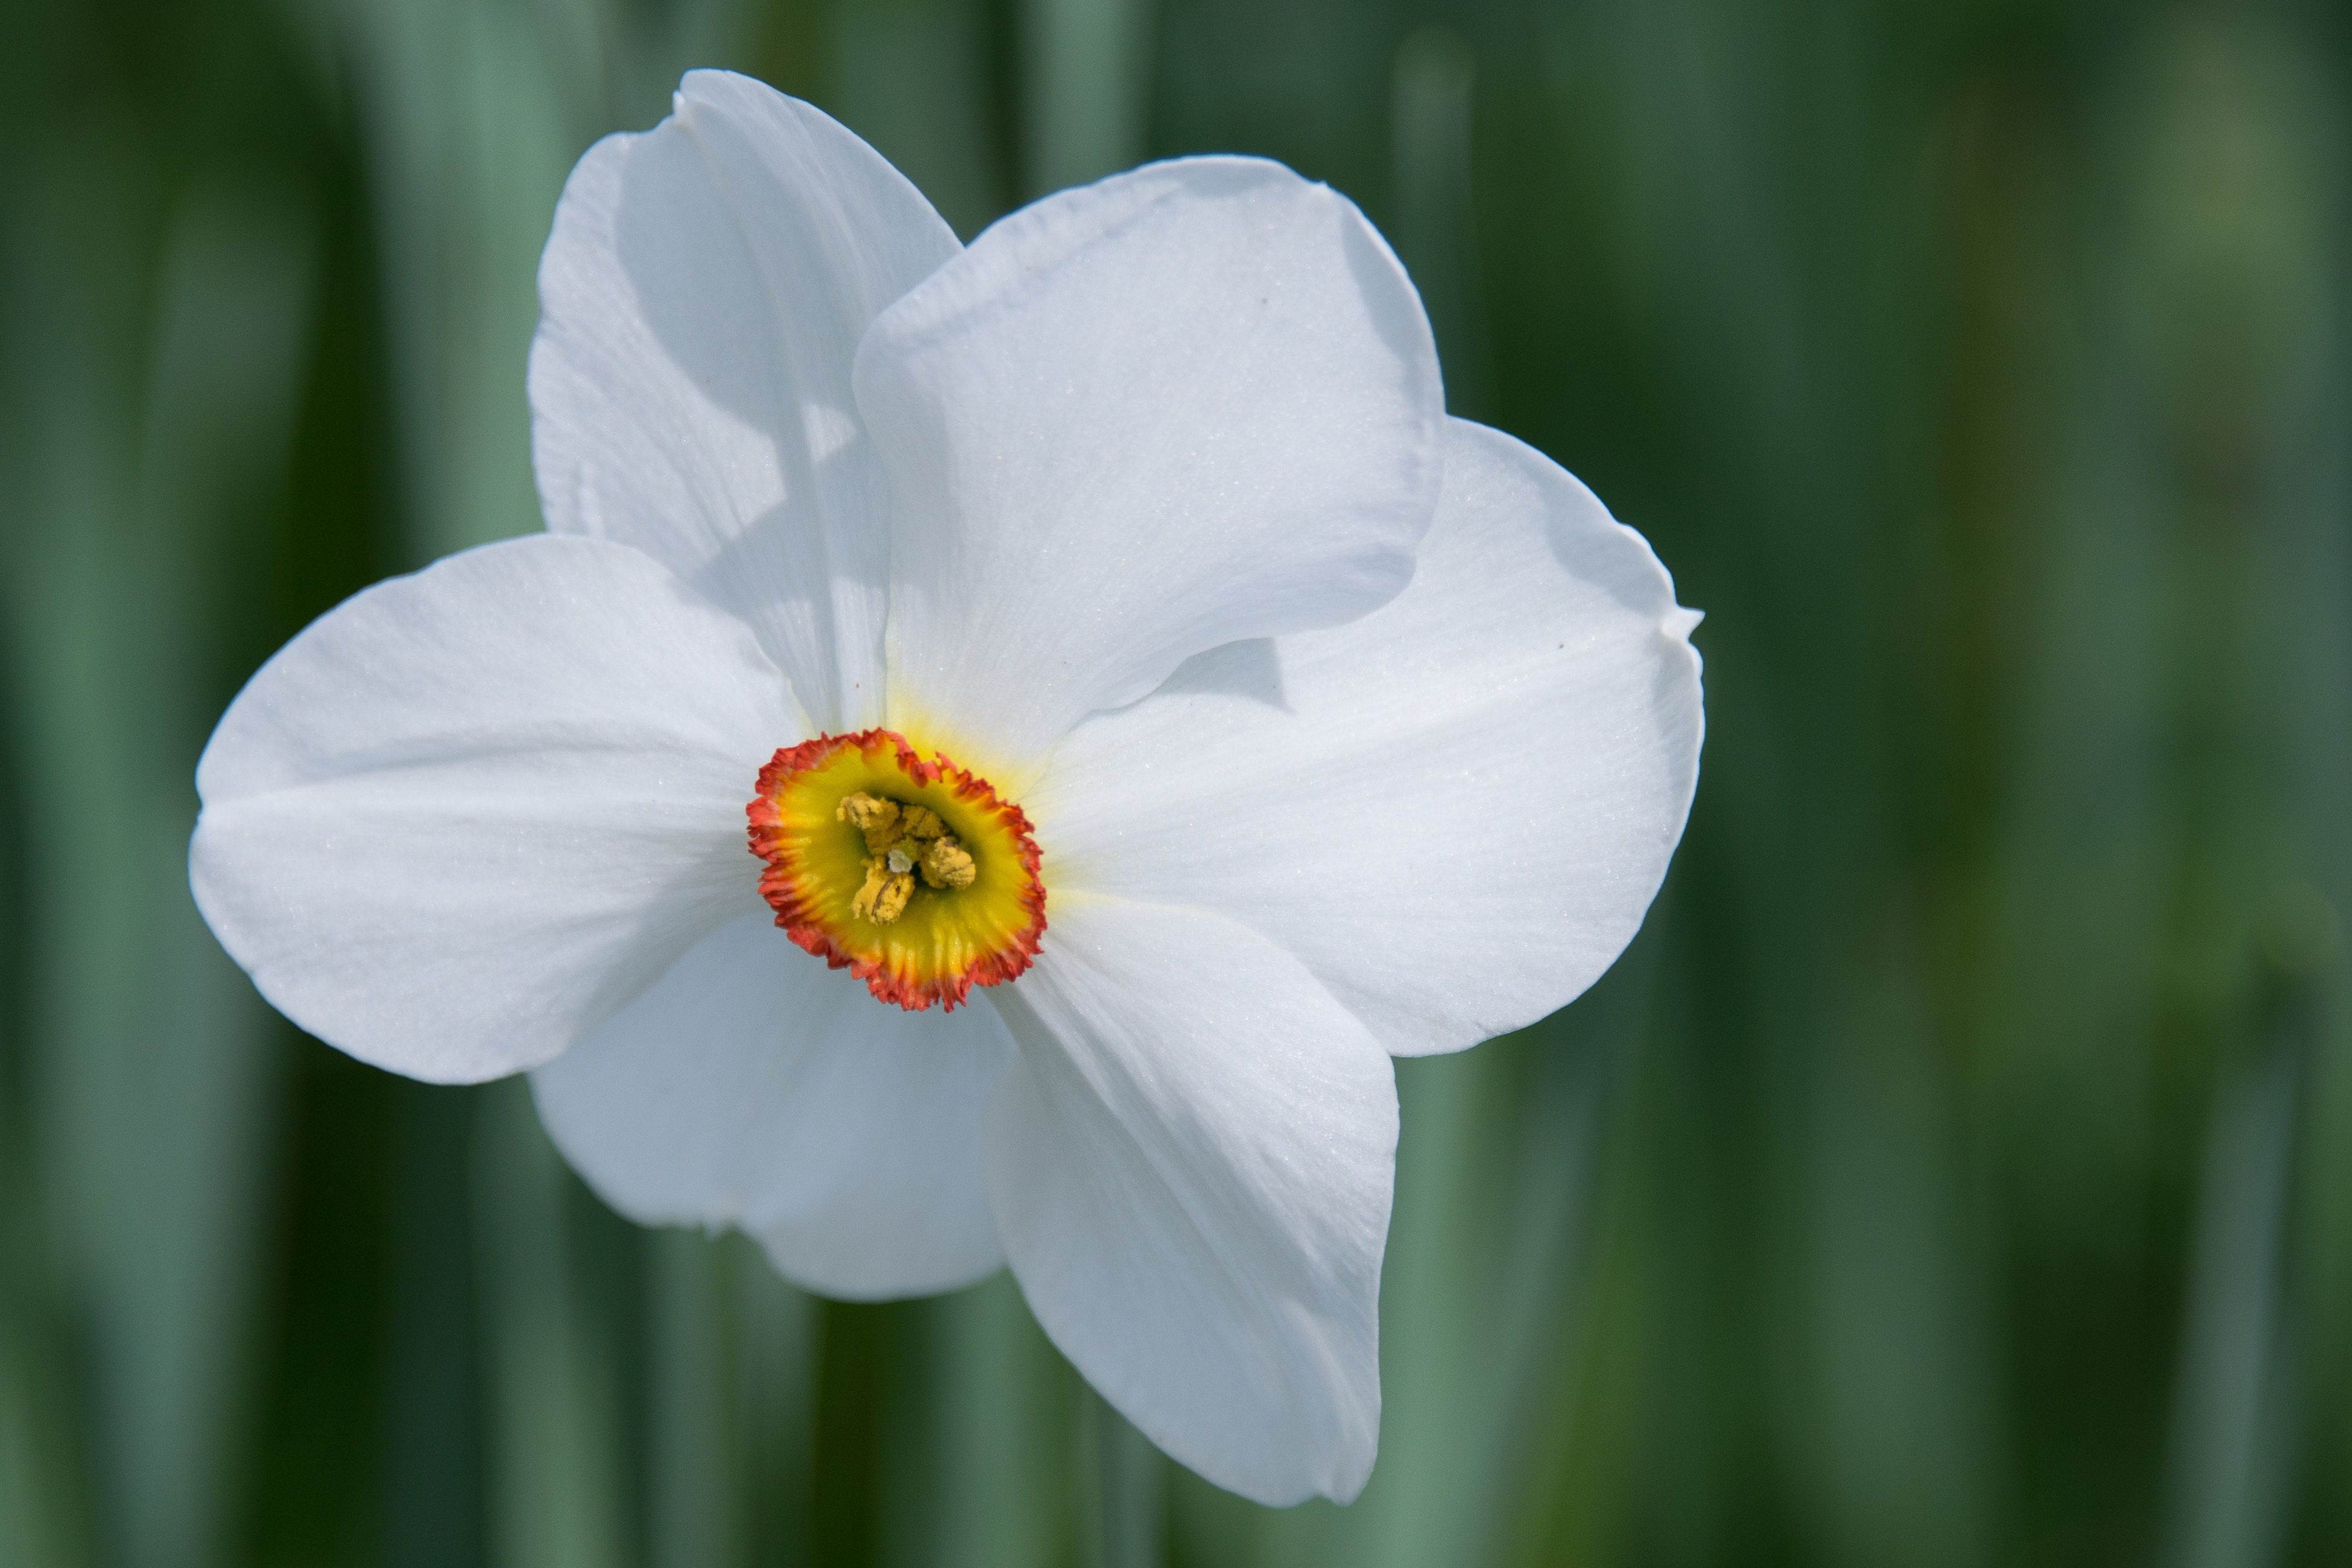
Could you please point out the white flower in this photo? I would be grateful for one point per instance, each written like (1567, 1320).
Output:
(1293, 726)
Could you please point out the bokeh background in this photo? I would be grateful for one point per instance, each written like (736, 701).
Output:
(1957, 1171)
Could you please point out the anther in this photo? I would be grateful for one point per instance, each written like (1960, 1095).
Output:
(901, 839)
(946, 864)
(883, 898)
(876, 819)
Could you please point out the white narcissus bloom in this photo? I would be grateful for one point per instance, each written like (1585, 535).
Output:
(1110, 633)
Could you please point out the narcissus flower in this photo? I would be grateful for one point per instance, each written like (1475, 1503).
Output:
(1149, 712)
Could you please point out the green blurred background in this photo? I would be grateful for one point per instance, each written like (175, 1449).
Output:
(1957, 1169)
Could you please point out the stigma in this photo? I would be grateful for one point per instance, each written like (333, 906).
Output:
(909, 872)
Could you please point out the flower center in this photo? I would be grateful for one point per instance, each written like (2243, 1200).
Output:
(911, 874)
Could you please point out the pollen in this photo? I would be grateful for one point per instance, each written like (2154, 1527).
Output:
(910, 871)
(947, 865)
(898, 838)
(882, 898)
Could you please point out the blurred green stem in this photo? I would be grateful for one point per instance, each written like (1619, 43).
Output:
(1122, 1491)
(1087, 66)
(556, 1498)
(2231, 1414)
(696, 1511)
(1437, 230)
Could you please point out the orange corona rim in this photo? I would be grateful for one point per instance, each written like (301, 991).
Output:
(913, 875)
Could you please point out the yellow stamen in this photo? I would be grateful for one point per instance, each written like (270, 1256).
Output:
(900, 839)
(878, 819)
(946, 864)
(883, 898)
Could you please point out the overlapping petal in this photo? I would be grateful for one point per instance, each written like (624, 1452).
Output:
(703, 294)
(463, 818)
(1190, 403)
(753, 1086)
(1454, 810)
(1191, 1164)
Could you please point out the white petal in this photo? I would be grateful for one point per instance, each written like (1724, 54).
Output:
(753, 1087)
(1454, 810)
(1193, 402)
(702, 296)
(1192, 1162)
(461, 819)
